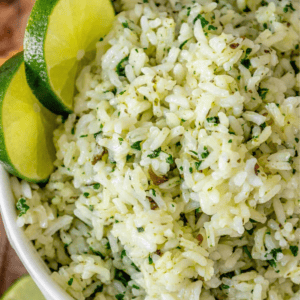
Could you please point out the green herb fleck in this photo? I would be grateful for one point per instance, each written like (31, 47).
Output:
(203, 21)
(97, 253)
(95, 134)
(22, 207)
(153, 192)
(120, 69)
(230, 141)
(170, 160)
(246, 63)
(86, 194)
(136, 145)
(213, 120)
(96, 186)
(294, 250)
(225, 287)
(262, 92)
(70, 281)
(119, 297)
(122, 277)
(135, 287)
(212, 27)
(150, 260)
(123, 253)
(182, 45)
(287, 7)
(155, 153)
(272, 263)
(140, 229)
(247, 252)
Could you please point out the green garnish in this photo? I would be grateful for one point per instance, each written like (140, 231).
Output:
(22, 207)
(120, 69)
(136, 145)
(155, 153)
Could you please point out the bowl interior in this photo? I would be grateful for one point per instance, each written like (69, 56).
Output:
(23, 247)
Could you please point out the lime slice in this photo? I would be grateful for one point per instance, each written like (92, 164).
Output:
(59, 34)
(26, 126)
(23, 289)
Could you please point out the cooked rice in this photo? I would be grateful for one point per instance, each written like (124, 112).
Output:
(178, 173)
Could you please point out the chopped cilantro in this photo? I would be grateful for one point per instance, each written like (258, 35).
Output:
(95, 134)
(135, 287)
(140, 229)
(120, 69)
(122, 277)
(96, 186)
(22, 207)
(86, 194)
(198, 164)
(123, 253)
(73, 130)
(136, 268)
(203, 21)
(153, 192)
(107, 246)
(121, 93)
(83, 136)
(136, 145)
(155, 153)
(128, 157)
(205, 153)
(191, 170)
(119, 297)
(297, 140)
(125, 24)
(294, 250)
(212, 27)
(170, 159)
(230, 141)
(262, 92)
(70, 281)
(287, 7)
(150, 260)
(182, 45)
(263, 125)
(265, 25)
(225, 287)
(247, 252)
(247, 9)
(272, 263)
(97, 253)
(246, 63)
(213, 120)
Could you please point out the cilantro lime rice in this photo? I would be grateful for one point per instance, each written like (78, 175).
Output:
(178, 172)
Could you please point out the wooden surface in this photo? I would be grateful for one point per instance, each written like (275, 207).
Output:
(13, 18)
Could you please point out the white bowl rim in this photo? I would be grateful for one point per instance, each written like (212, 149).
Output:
(23, 247)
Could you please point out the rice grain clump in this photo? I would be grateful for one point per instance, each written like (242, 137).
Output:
(178, 173)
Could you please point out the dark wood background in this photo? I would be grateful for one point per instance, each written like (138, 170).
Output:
(13, 18)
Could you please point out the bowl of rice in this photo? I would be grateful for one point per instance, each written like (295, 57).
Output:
(177, 175)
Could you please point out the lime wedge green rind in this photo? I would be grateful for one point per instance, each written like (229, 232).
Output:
(7, 72)
(57, 33)
(23, 289)
(35, 65)
(26, 126)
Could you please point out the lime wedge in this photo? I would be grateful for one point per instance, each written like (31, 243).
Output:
(59, 34)
(23, 289)
(26, 126)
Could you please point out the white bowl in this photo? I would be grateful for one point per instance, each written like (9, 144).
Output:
(24, 248)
